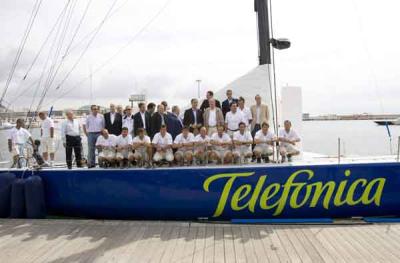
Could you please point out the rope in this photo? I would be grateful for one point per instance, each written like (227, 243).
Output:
(28, 29)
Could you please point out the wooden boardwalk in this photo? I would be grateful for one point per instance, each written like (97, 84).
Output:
(144, 241)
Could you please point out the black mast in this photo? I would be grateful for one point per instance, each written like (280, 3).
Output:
(264, 39)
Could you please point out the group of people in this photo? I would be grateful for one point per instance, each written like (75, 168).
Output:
(227, 132)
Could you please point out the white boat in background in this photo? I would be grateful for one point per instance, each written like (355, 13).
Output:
(388, 122)
(4, 125)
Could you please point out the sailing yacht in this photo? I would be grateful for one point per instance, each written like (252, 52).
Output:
(315, 186)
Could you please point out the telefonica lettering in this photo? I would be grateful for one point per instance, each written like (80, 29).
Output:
(294, 193)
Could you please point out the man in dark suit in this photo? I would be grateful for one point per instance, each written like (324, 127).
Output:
(174, 123)
(113, 121)
(193, 117)
(141, 119)
(226, 104)
(158, 119)
(206, 104)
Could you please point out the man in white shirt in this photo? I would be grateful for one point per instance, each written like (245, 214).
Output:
(162, 141)
(92, 128)
(17, 139)
(202, 147)
(106, 144)
(184, 145)
(47, 137)
(245, 111)
(222, 144)
(142, 147)
(288, 139)
(127, 120)
(71, 138)
(264, 141)
(124, 148)
(232, 119)
(242, 141)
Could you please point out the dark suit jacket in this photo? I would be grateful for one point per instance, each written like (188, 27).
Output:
(174, 125)
(226, 107)
(155, 123)
(138, 122)
(188, 117)
(113, 128)
(206, 104)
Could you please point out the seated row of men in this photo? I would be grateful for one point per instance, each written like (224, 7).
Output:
(186, 149)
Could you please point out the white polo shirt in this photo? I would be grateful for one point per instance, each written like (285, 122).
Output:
(47, 124)
(162, 141)
(245, 137)
(124, 141)
(264, 138)
(224, 138)
(246, 114)
(111, 141)
(291, 135)
(233, 120)
(19, 136)
(182, 139)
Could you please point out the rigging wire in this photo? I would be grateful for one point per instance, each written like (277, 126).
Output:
(27, 32)
(88, 45)
(105, 63)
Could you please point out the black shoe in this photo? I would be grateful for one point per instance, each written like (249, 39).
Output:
(283, 159)
(69, 167)
(258, 160)
(266, 159)
(289, 158)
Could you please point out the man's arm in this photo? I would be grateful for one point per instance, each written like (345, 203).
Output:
(9, 145)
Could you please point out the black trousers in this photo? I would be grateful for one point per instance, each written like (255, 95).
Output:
(257, 127)
(73, 143)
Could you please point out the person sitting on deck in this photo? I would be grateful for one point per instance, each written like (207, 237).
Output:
(184, 145)
(202, 147)
(288, 139)
(242, 141)
(17, 139)
(106, 144)
(162, 141)
(142, 147)
(124, 148)
(222, 143)
(264, 140)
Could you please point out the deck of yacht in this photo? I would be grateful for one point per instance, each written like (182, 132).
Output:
(145, 241)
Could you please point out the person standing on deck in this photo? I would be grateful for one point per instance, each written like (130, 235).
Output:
(17, 139)
(226, 104)
(174, 122)
(158, 119)
(246, 113)
(47, 137)
(127, 120)
(120, 110)
(264, 142)
(232, 119)
(151, 108)
(213, 118)
(206, 103)
(260, 114)
(92, 128)
(288, 139)
(193, 117)
(142, 119)
(71, 138)
(113, 121)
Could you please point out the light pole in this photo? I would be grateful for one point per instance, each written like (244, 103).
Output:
(198, 87)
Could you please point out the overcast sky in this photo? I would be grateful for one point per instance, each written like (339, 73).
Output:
(344, 53)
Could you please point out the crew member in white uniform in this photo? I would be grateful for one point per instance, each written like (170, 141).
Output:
(264, 141)
(47, 137)
(242, 141)
(17, 139)
(128, 121)
(184, 145)
(222, 144)
(246, 112)
(162, 141)
(124, 148)
(202, 147)
(288, 139)
(106, 144)
(232, 119)
(142, 147)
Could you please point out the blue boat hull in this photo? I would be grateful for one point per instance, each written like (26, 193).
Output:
(223, 193)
